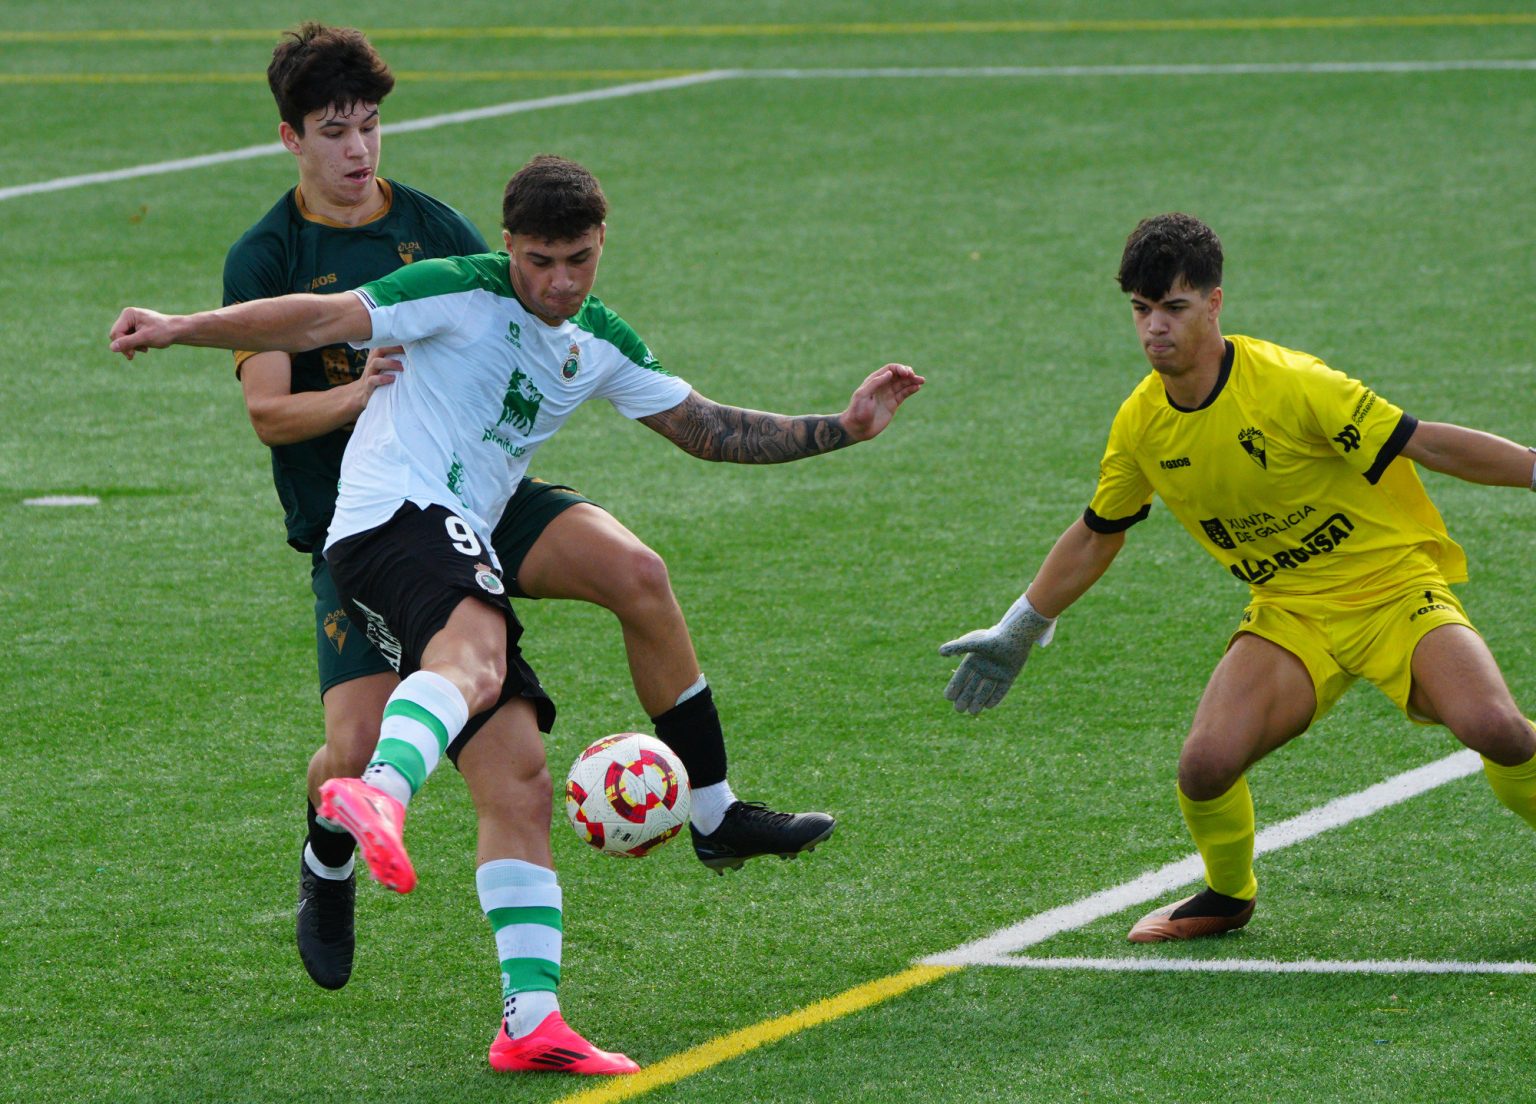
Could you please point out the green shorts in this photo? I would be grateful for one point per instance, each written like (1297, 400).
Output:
(341, 650)
(527, 515)
(1340, 639)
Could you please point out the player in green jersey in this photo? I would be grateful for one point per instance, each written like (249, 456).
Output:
(1298, 481)
(502, 349)
(339, 228)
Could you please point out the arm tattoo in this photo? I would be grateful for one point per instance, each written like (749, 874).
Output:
(710, 431)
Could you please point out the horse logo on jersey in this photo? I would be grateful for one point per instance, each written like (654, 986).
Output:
(1252, 440)
(572, 363)
(520, 405)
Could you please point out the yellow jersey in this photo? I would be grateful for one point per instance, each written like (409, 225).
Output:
(1288, 474)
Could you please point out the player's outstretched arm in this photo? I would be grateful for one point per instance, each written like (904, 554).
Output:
(1472, 455)
(712, 431)
(282, 416)
(995, 656)
(288, 323)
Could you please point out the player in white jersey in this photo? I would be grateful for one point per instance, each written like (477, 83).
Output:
(341, 226)
(1298, 481)
(426, 472)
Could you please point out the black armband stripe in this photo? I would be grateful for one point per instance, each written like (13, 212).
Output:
(1389, 451)
(1114, 525)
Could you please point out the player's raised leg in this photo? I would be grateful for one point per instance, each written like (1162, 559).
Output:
(586, 554)
(503, 764)
(462, 671)
(1457, 682)
(1259, 697)
(325, 924)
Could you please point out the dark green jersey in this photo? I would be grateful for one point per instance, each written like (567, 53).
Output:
(292, 250)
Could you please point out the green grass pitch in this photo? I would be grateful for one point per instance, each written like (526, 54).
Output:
(774, 238)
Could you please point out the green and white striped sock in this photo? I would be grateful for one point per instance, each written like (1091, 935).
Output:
(421, 718)
(522, 902)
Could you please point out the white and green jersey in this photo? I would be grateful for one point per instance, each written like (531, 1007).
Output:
(485, 384)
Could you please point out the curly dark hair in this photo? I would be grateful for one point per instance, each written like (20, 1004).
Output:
(316, 67)
(1162, 249)
(552, 199)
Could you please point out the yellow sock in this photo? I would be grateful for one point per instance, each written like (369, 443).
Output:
(1223, 831)
(1515, 787)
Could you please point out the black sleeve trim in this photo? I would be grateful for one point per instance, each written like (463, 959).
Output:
(1389, 451)
(1114, 525)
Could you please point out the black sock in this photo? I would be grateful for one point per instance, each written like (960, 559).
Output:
(331, 848)
(1210, 903)
(692, 729)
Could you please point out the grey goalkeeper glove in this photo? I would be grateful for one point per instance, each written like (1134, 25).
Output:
(994, 657)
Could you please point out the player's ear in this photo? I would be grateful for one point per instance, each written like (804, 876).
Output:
(506, 239)
(288, 136)
(1215, 303)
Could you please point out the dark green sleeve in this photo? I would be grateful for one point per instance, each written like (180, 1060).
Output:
(467, 239)
(253, 270)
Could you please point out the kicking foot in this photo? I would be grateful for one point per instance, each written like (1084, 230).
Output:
(751, 829)
(1206, 913)
(325, 931)
(377, 822)
(555, 1048)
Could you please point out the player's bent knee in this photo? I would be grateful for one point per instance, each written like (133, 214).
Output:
(1207, 773)
(1502, 734)
(637, 580)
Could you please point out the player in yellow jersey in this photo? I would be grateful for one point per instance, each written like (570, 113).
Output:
(1298, 480)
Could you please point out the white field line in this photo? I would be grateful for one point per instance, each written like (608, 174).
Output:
(993, 949)
(517, 107)
(1217, 69)
(1264, 966)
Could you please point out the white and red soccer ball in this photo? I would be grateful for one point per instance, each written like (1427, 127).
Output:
(627, 794)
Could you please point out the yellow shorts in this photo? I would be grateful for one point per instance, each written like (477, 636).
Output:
(1340, 639)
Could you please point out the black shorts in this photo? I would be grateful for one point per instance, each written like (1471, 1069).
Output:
(400, 583)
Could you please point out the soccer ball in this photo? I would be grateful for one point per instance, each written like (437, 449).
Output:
(627, 794)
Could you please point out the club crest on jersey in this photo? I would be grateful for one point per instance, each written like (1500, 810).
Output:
(1252, 440)
(488, 580)
(1217, 532)
(572, 363)
(336, 624)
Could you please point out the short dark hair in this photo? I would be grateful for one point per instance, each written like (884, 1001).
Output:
(552, 199)
(316, 67)
(1162, 249)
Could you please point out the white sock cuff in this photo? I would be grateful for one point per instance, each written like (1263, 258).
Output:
(437, 696)
(501, 873)
(707, 805)
(512, 883)
(332, 873)
(692, 692)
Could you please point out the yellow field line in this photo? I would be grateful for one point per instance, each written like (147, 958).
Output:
(702, 1057)
(408, 75)
(783, 30)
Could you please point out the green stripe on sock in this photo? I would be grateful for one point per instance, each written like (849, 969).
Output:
(523, 975)
(532, 914)
(404, 758)
(411, 711)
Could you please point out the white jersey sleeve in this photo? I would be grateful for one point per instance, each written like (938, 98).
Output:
(638, 386)
(418, 301)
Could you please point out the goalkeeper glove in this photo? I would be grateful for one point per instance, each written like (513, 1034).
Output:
(994, 657)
